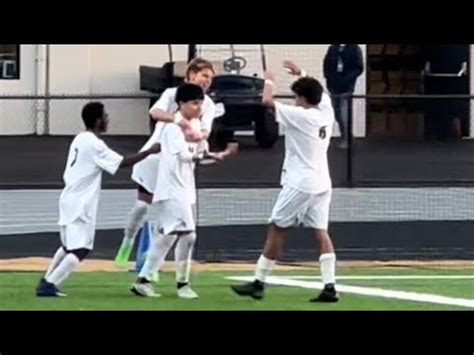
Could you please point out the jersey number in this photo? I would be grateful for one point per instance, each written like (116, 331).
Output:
(76, 151)
(322, 132)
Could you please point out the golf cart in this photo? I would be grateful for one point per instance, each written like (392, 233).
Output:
(240, 94)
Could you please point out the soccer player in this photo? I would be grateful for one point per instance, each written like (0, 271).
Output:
(306, 193)
(175, 196)
(199, 72)
(88, 157)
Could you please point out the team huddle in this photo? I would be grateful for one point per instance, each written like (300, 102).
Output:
(164, 173)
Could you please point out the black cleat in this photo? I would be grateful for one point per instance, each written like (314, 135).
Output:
(252, 289)
(41, 284)
(47, 289)
(327, 295)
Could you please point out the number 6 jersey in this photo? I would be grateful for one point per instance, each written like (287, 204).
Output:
(307, 136)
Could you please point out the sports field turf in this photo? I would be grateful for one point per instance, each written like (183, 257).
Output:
(110, 291)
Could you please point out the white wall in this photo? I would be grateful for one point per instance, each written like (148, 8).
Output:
(18, 117)
(103, 69)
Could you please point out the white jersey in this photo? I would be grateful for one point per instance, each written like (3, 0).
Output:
(145, 172)
(307, 136)
(175, 179)
(88, 157)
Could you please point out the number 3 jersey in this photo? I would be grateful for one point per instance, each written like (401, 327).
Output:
(88, 157)
(307, 136)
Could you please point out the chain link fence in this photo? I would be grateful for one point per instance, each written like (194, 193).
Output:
(61, 114)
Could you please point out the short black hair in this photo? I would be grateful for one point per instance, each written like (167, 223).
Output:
(91, 112)
(309, 88)
(189, 92)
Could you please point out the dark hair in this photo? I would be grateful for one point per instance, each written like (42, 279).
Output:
(197, 65)
(91, 113)
(189, 92)
(309, 88)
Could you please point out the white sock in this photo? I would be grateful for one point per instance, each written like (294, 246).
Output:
(160, 247)
(264, 268)
(328, 268)
(136, 218)
(183, 254)
(57, 258)
(64, 269)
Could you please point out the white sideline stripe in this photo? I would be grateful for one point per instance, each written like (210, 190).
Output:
(368, 291)
(388, 277)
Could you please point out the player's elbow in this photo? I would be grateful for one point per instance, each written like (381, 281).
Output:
(156, 114)
(268, 102)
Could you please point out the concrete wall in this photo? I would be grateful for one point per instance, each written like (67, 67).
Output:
(103, 69)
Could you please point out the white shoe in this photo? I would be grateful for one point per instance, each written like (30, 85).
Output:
(187, 293)
(144, 290)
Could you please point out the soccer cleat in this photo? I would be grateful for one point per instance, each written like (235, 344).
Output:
(123, 255)
(255, 289)
(144, 289)
(47, 289)
(187, 293)
(40, 284)
(327, 295)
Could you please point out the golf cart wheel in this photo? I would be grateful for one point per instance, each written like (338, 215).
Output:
(220, 136)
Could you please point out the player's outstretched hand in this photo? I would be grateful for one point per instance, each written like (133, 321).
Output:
(232, 149)
(216, 156)
(292, 68)
(211, 158)
(155, 148)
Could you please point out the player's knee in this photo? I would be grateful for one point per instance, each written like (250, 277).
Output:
(81, 254)
(321, 233)
(144, 196)
(191, 237)
(279, 226)
(141, 207)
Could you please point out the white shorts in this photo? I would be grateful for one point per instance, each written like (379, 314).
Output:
(77, 235)
(294, 207)
(145, 173)
(175, 216)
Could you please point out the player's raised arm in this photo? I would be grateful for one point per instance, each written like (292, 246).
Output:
(293, 69)
(162, 110)
(269, 89)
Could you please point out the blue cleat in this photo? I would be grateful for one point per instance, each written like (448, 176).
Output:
(47, 289)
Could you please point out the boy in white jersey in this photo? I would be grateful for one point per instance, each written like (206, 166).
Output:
(165, 110)
(175, 196)
(307, 187)
(88, 157)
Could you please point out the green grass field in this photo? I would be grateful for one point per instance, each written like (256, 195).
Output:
(110, 291)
